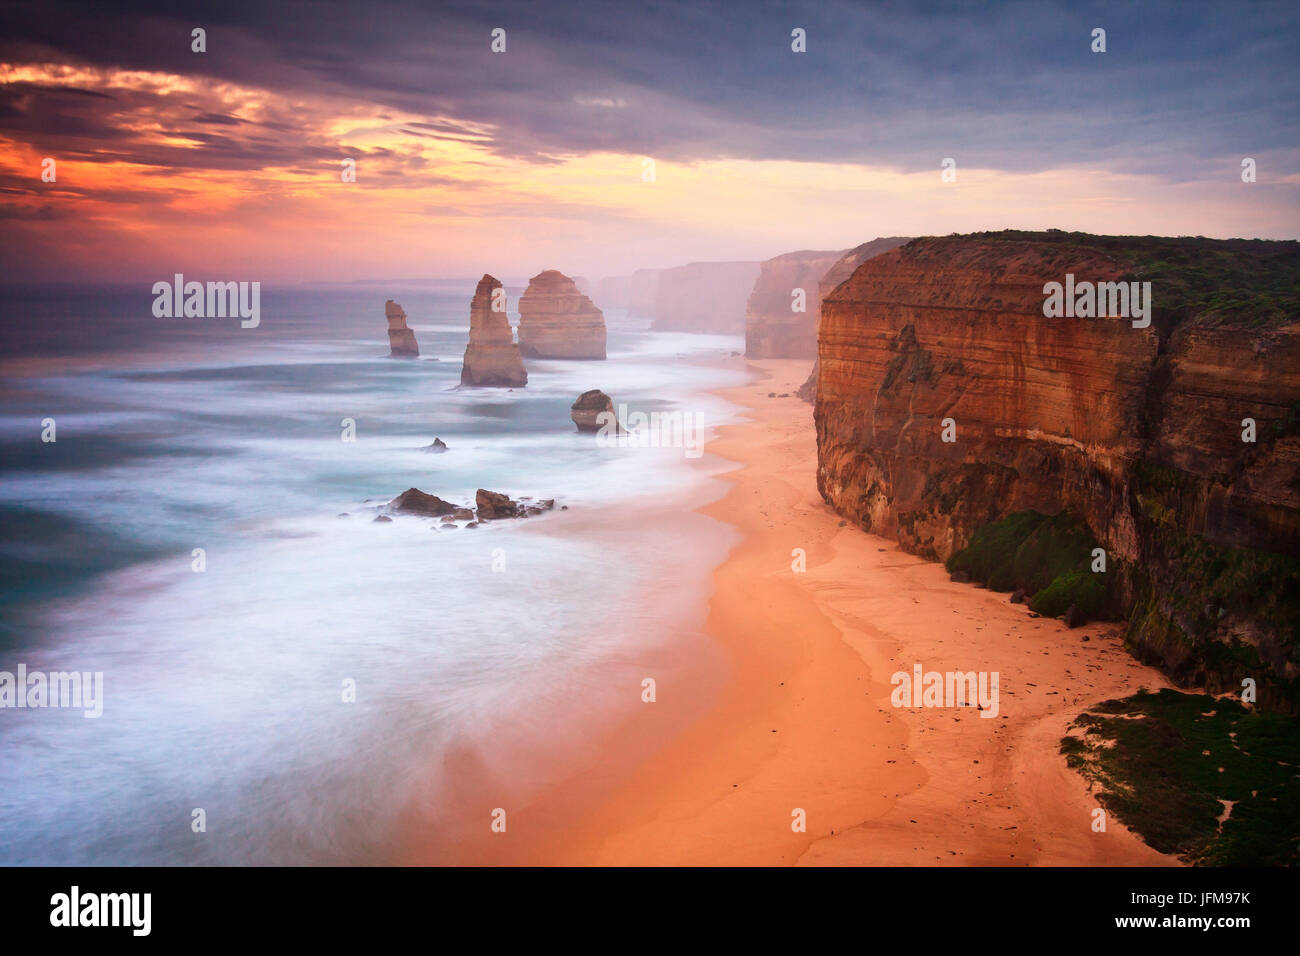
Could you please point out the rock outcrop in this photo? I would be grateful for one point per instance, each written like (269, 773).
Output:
(1137, 432)
(416, 502)
(494, 506)
(401, 340)
(704, 297)
(782, 310)
(587, 410)
(492, 358)
(556, 321)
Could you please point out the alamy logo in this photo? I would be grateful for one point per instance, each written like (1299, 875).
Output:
(1089, 300)
(946, 689)
(655, 430)
(55, 689)
(75, 908)
(217, 300)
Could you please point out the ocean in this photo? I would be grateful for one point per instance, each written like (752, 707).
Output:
(225, 690)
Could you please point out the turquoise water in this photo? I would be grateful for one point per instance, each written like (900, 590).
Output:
(223, 689)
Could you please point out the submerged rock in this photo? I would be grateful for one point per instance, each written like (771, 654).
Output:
(438, 446)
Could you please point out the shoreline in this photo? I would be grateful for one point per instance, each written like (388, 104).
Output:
(804, 719)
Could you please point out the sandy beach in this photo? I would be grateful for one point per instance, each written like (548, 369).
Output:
(803, 719)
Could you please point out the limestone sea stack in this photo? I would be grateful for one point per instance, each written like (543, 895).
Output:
(492, 358)
(556, 321)
(401, 340)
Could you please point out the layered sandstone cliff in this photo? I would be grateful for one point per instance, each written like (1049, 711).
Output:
(704, 297)
(556, 321)
(783, 306)
(837, 273)
(491, 358)
(1136, 431)
(401, 340)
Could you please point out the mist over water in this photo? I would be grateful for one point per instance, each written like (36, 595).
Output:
(223, 689)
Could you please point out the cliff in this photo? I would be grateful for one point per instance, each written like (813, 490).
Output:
(556, 321)
(491, 358)
(783, 306)
(1134, 434)
(704, 297)
(401, 340)
(837, 273)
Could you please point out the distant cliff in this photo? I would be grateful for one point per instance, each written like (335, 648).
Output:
(704, 297)
(782, 310)
(1136, 433)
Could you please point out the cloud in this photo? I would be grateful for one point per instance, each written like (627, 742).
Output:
(1009, 86)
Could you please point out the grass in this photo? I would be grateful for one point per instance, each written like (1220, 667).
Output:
(1049, 558)
(1163, 763)
(1248, 282)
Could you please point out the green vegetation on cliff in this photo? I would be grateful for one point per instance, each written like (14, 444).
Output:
(1253, 282)
(1049, 558)
(1169, 766)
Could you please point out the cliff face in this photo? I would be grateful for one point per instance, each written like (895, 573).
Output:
(401, 340)
(491, 358)
(704, 297)
(841, 269)
(1137, 431)
(773, 327)
(557, 321)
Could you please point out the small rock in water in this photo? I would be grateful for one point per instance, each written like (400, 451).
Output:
(493, 505)
(592, 410)
(414, 501)
(438, 446)
(382, 518)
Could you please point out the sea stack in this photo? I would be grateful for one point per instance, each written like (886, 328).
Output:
(400, 339)
(556, 321)
(492, 358)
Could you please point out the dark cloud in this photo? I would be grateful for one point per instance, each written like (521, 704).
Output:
(1182, 87)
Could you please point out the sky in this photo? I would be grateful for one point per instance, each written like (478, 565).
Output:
(227, 164)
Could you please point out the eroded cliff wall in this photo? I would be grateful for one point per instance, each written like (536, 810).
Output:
(704, 297)
(1138, 431)
(781, 313)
